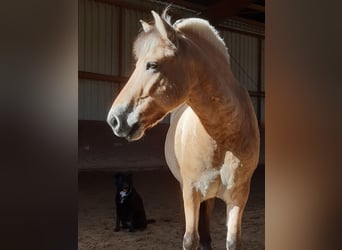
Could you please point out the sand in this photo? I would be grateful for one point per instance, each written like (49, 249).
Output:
(163, 202)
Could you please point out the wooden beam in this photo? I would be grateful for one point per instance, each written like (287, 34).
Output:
(256, 93)
(248, 33)
(189, 5)
(125, 4)
(123, 79)
(256, 7)
(120, 36)
(249, 22)
(224, 9)
(102, 77)
(259, 78)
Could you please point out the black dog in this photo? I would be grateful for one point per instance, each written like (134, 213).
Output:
(130, 212)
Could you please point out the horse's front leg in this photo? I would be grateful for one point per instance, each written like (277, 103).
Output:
(235, 210)
(192, 202)
(234, 214)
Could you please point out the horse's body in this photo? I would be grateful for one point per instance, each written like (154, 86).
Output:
(212, 145)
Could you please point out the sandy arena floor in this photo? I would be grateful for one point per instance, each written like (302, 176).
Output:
(162, 200)
(101, 154)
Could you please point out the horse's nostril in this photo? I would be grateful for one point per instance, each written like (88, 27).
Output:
(115, 122)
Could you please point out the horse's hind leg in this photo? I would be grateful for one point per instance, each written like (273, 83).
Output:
(191, 209)
(206, 209)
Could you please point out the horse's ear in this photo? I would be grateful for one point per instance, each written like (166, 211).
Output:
(166, 31)
(146, 27)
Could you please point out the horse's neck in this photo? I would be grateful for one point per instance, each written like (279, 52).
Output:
(220, 114)
(214, 97)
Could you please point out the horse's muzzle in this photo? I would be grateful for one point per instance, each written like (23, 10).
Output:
(124, 124)
(119, 125)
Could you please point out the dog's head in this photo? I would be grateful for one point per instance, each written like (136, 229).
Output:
(123, 182)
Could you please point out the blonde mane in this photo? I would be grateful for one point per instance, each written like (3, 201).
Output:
(203, 29)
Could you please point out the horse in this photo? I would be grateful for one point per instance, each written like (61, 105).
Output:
(212, 145)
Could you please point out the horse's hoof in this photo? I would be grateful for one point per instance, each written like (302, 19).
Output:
(190, 242)
(205, 247)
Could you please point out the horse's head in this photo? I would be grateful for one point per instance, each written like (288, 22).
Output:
(157, 85)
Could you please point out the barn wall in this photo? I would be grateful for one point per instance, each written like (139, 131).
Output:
(98, 53)
(130, 26)
(243, 52)
(98, 37)
(95, 99)
(103, 50)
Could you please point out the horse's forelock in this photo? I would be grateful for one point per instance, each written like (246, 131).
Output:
(144, 42)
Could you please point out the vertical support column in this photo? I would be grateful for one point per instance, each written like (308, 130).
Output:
(120, 44)
(259, 81)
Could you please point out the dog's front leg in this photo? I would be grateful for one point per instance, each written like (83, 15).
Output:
(118, 218)
(130, 223)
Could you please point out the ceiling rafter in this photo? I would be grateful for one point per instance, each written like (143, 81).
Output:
(223, 9)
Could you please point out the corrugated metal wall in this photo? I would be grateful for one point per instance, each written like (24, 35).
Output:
(95, 99)
(99, 52)
(243, 51)
(98, 37)
(130, 27)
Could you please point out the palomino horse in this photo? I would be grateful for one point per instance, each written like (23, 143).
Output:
(212, 146)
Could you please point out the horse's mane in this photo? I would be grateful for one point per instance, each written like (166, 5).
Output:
(203, 29)
(196, 26)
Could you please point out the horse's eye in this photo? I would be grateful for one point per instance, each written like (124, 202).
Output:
(151, 65)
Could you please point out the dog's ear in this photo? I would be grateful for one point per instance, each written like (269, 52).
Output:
(117, 176)
(128, 177)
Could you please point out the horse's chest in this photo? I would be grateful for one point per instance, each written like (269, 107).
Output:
(198, 159)
(208, 170)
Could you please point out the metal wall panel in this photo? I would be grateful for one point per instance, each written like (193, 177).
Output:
(130, 28)
(263, 110)
(98, 53)
(243, 51)
(98, 37)
(235, 24)
(263, 65)
(95, 99)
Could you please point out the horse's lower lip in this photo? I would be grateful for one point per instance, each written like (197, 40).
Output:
(134, 133)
